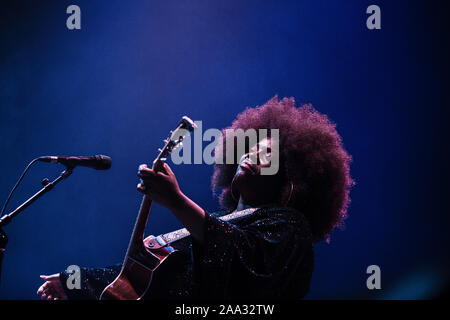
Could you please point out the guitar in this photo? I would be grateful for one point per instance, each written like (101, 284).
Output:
(143, 257)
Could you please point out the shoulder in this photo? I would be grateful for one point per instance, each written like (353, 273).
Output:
(285, 214)
(282, 217)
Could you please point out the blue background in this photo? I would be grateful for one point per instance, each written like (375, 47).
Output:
(118, 85)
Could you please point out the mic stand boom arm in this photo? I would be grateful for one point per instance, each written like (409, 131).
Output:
(47, 187)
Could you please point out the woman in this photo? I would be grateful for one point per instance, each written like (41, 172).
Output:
(267, 254)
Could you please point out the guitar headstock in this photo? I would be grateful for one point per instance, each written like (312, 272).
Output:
(175, 140)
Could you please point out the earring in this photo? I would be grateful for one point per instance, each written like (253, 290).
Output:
(232, 193)
(290, 193)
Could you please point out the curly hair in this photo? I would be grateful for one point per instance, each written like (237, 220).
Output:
(312, 159)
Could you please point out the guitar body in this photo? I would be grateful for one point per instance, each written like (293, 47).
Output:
(135, 278)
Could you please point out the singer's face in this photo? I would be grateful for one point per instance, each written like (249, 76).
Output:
(257, 189)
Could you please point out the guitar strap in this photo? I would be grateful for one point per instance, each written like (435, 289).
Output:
(170, 237)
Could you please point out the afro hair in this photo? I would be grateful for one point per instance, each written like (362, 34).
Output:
(312, 159)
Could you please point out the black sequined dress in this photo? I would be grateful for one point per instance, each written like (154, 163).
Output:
(265, 255)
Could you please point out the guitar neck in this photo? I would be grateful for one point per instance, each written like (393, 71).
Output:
(142, 218)
(183, 233)
(139, 226)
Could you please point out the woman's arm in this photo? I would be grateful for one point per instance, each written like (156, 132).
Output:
(92, 283)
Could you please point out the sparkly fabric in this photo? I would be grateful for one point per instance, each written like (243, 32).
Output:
(93, 281)
(268, 254)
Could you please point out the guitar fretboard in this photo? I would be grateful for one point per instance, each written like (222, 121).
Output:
(183, 233)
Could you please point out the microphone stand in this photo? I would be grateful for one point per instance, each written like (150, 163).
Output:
(47, 187)
(6, 219)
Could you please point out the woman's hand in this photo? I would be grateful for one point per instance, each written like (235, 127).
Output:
(52, 288)
(161, 186)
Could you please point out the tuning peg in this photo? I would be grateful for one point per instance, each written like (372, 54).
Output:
(159, 149)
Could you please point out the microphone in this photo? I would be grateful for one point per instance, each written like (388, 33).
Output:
(98, 162)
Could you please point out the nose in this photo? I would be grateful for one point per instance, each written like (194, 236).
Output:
(253, 156)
